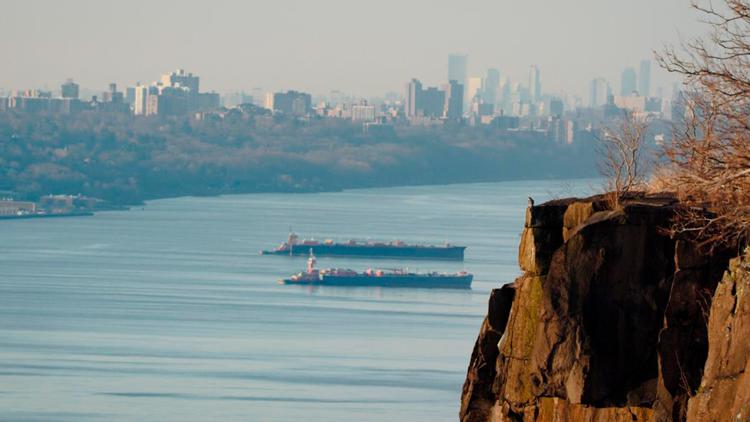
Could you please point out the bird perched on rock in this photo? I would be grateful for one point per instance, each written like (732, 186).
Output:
(531, 201)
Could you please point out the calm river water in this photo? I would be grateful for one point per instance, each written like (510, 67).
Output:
(167, 312)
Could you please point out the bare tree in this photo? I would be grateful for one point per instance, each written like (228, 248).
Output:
(622, 162)
(710, 153)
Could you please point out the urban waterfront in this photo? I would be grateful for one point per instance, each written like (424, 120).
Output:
(168, 312)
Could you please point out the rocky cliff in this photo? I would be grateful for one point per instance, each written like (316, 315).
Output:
(613, 320)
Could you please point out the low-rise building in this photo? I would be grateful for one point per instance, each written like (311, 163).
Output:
(9, 207)
(58, 203)
(363, 113)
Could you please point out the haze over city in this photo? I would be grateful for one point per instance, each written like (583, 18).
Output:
(391, 210)
(361, 48)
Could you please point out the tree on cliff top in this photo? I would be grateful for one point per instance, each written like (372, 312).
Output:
(710, 153)
(622, 162)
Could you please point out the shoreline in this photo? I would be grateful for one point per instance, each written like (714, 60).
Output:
(33, 216)
(144, 202)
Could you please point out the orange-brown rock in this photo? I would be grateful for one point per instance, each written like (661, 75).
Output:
(477, 398)
(552, 409)
(607, 323)
(550, 214)
(683, 341)
(577, 213)
(724, 393)
(537, 247)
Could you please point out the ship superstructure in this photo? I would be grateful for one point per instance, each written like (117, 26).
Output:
(377, 277)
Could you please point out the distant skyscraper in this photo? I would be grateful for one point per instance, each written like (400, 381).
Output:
(112, 95)
(413, 92)
(644, 79)
(457, 68)
(535, 84)
(458, 71)
(363, 112)
(69, 89)
(292, 103)
(628, 84)
(562, 131)
(556, 107)
(491, 85)
(141, 99)
(167, 101)
(182, 79)
(431, 102)
(268, 101)
(454, 100)
(130, 95)
(473, 88)
(507, 97)
(178, 92)
(598, 92)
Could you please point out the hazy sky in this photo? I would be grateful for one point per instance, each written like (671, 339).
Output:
(359, 47)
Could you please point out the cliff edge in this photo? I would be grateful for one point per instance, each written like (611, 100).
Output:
(613, 320)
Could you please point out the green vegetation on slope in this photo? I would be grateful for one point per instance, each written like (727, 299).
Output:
(127, 159)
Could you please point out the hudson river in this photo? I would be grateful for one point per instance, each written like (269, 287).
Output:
(168, 312)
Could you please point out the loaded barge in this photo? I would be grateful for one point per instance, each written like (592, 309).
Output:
(377, 277)
(352, 248)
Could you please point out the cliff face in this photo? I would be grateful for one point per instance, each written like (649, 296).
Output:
(612, 320)
(724, 393)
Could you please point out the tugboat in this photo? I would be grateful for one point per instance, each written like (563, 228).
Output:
(377, 277)
(352, 248)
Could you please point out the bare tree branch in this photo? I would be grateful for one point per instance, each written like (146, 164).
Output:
(622, 163)
(710, 154)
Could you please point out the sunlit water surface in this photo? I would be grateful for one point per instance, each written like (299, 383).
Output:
(167, 312)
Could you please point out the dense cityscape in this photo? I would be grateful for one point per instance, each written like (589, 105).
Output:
(492, 99)
(401, 138)
(414, 211)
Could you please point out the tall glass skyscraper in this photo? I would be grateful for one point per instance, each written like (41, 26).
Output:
(628, 83)
(491, 86)
(457, 68)
(644, 79)
(535, 84)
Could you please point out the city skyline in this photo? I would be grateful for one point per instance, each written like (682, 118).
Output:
(177, 93)
(489, 88)
(313, 52)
